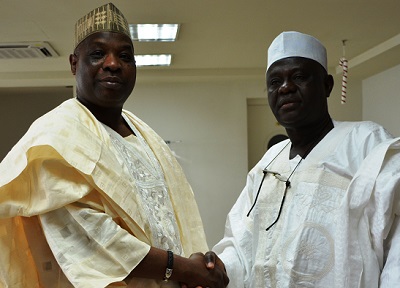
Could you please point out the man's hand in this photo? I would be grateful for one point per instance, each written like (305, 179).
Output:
(212, 259)
(216, 276)
(210, 272)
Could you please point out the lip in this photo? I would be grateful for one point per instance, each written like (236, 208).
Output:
(110, 81)
(288, 104)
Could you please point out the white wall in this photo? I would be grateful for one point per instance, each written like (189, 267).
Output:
(381, 99)
(209, 118)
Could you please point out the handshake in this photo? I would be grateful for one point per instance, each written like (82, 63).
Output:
(201, 271)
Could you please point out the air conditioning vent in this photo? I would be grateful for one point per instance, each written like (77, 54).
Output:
(26, 50)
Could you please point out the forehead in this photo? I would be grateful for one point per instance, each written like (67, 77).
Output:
(106, 39)
(293, 64)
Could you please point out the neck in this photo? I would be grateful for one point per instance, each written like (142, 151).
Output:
(112, 117)
(304, 140)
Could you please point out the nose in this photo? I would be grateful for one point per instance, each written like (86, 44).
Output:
(111, 62)
(287, 87)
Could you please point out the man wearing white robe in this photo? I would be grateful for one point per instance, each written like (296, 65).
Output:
(299, 222)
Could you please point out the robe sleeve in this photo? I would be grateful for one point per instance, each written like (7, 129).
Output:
(91, 249)
(89, 246)
(235, 249)
(385, 228)
(376, 199)
(390, 276)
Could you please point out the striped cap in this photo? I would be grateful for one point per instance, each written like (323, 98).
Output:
(104, 18)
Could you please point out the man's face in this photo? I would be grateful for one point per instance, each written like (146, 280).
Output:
(104, 65)
(297, 91)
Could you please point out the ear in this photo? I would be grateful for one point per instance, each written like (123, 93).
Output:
(73, 59)
(329, 82)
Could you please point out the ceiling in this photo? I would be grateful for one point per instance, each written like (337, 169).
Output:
(217, 37)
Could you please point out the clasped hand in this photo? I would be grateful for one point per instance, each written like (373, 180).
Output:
(209, 272)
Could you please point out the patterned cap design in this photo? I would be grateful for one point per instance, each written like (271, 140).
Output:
(104, 18)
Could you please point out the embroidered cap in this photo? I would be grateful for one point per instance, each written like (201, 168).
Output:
(296, 44)
(104, 18)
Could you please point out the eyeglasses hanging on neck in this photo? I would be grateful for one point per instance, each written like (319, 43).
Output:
(277, 176)
(280, 178)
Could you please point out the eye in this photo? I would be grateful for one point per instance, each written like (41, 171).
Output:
(274, 82)
(97, 54)
(299, 77)
(126, 57)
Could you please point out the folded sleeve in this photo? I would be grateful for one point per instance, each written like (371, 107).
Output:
(91, 249)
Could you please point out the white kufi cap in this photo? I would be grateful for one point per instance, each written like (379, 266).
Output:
(295, 44)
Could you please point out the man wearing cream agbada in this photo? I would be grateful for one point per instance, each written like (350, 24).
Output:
(91, 196)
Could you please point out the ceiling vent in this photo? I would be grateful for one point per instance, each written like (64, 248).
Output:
(26, 50)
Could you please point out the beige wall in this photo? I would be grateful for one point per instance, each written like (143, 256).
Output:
(381, 99)
(21, 106)
(261, 126)
(352, 110)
